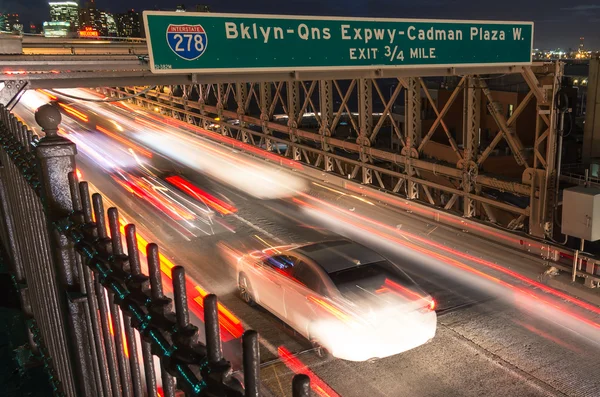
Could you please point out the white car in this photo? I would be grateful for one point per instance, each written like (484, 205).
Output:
(346, 299)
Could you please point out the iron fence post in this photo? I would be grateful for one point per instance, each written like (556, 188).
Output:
(301, 386)
(55, 157)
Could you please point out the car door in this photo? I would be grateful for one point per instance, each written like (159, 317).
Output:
(305, 282)
(267, 285)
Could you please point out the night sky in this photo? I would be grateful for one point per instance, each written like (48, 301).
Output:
(558, 23)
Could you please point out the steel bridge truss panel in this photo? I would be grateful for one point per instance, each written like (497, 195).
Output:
(335, 125)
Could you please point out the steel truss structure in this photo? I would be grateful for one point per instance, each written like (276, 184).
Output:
(312, 111)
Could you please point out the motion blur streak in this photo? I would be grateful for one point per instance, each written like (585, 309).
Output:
(149, 192)
(547, 336)
(339, 314)
(468, 257)
(386, 198)
(49, 95)
(316, 383)
(253, 177)
(230, 141)
(125, 142)
(74, 112)
(402, 291)
(216, 204)
(520, 294)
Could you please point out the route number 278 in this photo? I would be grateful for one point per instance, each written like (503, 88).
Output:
(187, 39)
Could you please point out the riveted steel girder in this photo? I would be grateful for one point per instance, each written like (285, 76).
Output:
(306, 116)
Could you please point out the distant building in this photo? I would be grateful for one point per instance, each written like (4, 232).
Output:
(10, 23)
(57, 29)
(36, 28)
(91, 17)
(129, 24)
(111, 26)
(197, 8)
(65, 11)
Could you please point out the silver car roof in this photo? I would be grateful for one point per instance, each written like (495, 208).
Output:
(336, 255)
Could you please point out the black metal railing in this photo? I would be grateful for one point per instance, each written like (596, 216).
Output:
(100, 324)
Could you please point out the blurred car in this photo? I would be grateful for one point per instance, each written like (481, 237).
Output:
(348, 300)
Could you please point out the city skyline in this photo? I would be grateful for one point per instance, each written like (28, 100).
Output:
(556, 25)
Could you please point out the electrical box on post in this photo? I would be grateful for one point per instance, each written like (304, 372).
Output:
(581, 213)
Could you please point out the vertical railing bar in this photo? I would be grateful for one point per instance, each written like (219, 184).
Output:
(251, 362)
(113, 361)
(301, 386)
(180, 295)
(115, 234)
(32, 242)
(27, 218)
(156, 292)
(102, 343)
(213, 333)
(156, 289)
(167, 382)
(99, 338)
(130, 339)
(136, 271)
(149, 371)
(86, 204)
(108, 341)
(95, 344)
(99, 215)
(10, 214)
(117, 251)
(115, 313)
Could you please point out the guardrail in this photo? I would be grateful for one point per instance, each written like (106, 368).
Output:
(587, 267)
(39, 45)
(101, 326)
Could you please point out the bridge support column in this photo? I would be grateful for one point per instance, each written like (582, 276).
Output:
(471, 124)
(365, 116)
(591, 132)
(413, 132)
(241, 96)
(221, 104)
(265, 99)
(326, 105)
(293, 100)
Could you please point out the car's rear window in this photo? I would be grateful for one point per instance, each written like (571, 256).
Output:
(370, 277)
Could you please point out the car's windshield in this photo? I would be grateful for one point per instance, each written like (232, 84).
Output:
(370, 278)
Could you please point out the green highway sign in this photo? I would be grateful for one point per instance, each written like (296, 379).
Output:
(206, 42)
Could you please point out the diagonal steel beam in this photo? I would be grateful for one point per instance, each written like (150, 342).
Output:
(511, 137)
(510, 122)
(440, 116)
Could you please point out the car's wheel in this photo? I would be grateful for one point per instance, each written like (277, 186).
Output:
(319, 350)
(245, 290)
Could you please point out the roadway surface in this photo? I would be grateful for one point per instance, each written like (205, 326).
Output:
(500, 332)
